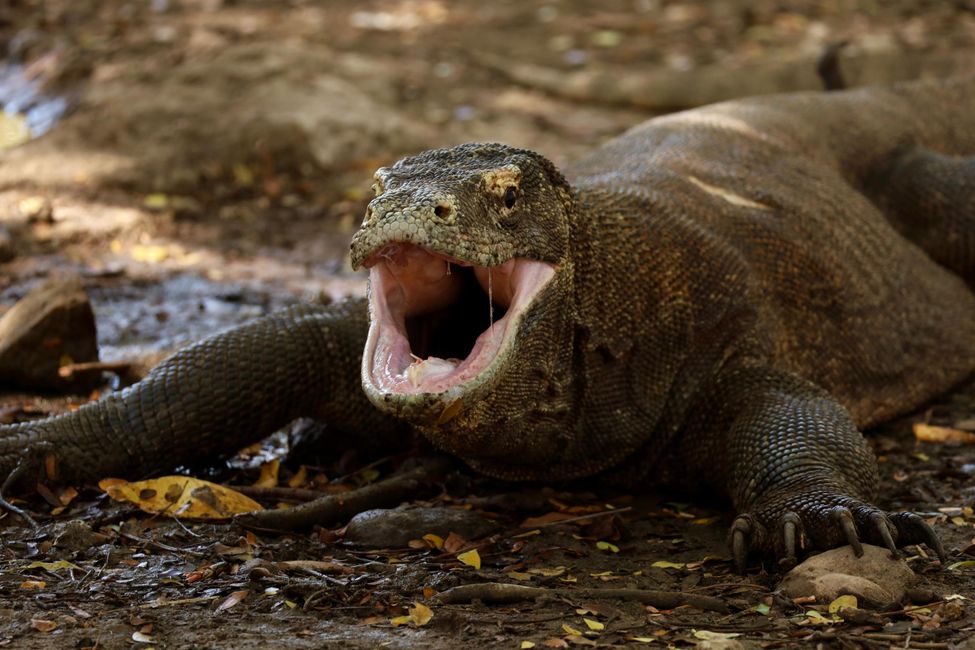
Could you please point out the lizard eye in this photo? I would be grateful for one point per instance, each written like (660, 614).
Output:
(510, 196)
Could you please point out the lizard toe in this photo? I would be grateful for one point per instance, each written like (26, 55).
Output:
(912, 529)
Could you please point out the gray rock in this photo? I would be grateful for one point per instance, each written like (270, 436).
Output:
(395, 528)
(876, 579)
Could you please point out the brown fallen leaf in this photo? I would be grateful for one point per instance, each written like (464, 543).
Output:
(234, 598)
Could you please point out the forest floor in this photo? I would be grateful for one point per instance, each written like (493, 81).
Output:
(211, 163)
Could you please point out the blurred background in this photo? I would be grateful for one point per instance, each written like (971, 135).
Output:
(199, 162)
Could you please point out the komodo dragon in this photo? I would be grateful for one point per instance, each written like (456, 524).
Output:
(718, 299)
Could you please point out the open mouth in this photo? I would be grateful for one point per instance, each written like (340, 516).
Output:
(437, 322)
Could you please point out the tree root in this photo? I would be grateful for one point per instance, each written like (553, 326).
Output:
(498, 592)
(339, 507)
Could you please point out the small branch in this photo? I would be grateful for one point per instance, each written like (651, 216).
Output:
(497, 592)
(279, 493)
(571, 520)
(337, 507)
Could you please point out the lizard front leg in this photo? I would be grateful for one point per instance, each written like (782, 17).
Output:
(214, 397)
(800, 474)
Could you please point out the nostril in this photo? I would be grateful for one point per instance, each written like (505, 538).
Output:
(442, 210)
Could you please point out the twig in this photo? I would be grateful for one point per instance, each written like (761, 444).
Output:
(580, 518)
(497, 592)
(335, 507)
(159, 546)
(278, 492)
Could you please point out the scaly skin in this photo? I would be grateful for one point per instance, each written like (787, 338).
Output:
(736, 294)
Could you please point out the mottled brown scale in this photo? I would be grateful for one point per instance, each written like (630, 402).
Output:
(740, 289)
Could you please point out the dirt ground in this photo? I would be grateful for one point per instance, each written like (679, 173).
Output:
(211, 163)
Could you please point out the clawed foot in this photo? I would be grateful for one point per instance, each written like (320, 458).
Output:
(806, 521)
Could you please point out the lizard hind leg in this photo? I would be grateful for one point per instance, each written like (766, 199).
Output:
(930, 198)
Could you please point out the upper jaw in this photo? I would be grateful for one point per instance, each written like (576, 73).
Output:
(442, 328)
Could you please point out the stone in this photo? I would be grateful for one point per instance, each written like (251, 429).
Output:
(876, 579)
(51, 326)
(394, 528)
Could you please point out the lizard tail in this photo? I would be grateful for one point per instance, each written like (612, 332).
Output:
(210, 398)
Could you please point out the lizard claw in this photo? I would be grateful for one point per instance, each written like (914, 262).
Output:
(883, 531)
(845, 519)
(791, 524)
(741, 534)
(912, 529)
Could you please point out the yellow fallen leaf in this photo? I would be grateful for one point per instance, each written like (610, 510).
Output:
(33, 584)
(593, 625)
(396, 621)
(571, 630)
(54, 566)
(932, 433)
(269, 474)
(841, 602)
(663, 564)
(708, 635)
(14, 130)
(526, 644)
(181, 496)
(470, 558)
(420, 614)
(436, 541)
(155, 201)
(149, 254)
(606, 546)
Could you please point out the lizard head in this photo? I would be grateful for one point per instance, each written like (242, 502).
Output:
(466, 248)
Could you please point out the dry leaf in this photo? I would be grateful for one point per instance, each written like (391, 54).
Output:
(42, 625)
(233, 599)
(435, 541)
(663, 564)
(841, 602)
(593, 625)
(931, 433)
(181, 496)
(54, 566)
(420, 614)
(470, 558)
(33, 584)
(269, 474)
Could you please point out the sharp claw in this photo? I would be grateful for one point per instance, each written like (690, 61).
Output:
(790, 525)
(740, 532)
(915, 530)
(845, 518)
(883, 529)
(931, 539)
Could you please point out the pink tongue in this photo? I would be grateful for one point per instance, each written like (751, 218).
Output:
(496, 282)
(426, 280)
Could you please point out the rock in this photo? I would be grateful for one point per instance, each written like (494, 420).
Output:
(395, 528)
(876, 579)
(49, 327)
